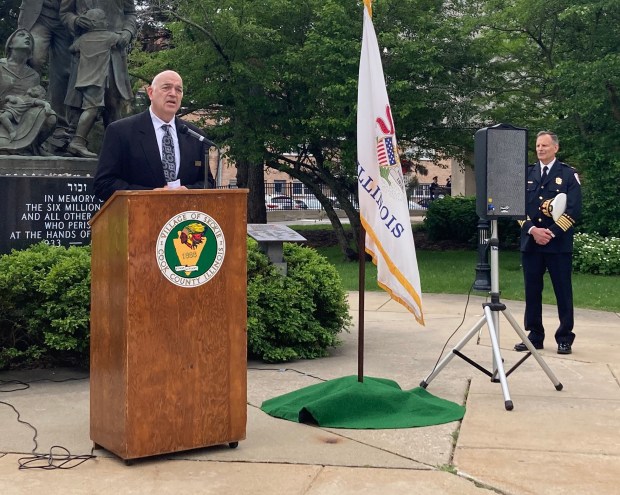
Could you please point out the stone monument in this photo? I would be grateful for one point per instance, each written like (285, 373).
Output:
(46, 169)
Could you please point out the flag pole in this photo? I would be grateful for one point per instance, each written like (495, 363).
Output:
(361, 243)
(361, 249)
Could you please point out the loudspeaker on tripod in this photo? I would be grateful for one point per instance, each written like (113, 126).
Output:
(500, 159)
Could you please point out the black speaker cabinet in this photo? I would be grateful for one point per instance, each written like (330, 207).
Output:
(500, 155)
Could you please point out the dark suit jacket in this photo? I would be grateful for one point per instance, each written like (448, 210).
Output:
(130, 158)
(561, 179)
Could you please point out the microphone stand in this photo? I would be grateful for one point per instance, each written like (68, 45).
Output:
(184, 129)
(218, 175)
(206, 169)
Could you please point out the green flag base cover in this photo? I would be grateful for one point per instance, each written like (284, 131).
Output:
(375, 403)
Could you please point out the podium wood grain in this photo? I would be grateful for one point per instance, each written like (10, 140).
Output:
(168, 363)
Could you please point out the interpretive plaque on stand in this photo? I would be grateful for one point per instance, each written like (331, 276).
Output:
(270, 238)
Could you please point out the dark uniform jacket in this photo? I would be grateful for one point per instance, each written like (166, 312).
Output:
(560, 179)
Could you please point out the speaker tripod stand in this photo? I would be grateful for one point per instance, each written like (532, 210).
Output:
(491, 318)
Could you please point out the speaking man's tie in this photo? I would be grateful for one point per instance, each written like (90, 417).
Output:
(167, 155)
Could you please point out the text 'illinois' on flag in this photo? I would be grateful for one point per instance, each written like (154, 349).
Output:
(384, 211)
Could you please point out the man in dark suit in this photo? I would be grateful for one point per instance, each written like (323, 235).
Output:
(547, 244)
(137, 149)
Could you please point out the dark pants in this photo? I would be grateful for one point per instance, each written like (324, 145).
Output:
(559, 266)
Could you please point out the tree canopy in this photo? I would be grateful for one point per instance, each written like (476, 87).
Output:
(557, 66)
(279, 78)
(9, 11)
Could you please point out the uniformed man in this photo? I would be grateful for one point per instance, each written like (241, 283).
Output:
(547, 244)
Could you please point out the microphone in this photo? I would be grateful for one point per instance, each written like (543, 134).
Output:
(183, 129)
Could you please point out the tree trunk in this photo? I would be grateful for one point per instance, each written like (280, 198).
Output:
(251, 177)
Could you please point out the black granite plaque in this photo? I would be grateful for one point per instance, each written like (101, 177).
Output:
(55, 210)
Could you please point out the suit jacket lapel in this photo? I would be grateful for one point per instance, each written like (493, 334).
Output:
(150, 146)
(182, 138)
(554, 172)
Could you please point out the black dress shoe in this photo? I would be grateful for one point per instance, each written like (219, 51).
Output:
(564, 349)
(521, 347)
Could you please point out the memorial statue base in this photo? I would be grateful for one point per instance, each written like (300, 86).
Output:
(47, 165)
(46, 199)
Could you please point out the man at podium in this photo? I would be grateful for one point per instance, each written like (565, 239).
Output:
(149, 151)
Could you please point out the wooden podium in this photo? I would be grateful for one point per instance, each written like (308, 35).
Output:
(168, 321)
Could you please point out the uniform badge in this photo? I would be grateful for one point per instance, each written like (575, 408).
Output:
(197, 163)
(558, 180)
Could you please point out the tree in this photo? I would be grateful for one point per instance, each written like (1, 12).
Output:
(280, 79)
(556, 66)
(9, 10)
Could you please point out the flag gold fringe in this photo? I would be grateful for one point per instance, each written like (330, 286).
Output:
(397, 273)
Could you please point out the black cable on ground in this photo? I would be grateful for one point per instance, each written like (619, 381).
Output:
(455, 330)
(59, 457)
(289, 369)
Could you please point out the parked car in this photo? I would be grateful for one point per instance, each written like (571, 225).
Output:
(279, 203)
(308, 202)
(417, 205)
(424, 202)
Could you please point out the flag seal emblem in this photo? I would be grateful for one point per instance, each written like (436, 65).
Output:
(387, 152)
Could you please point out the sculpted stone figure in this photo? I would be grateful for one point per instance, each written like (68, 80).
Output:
(27, 121)
(93, 49)
(120, 18)
(51, 48)
(15, 107)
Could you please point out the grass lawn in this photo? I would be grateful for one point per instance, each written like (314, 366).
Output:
(453, 272)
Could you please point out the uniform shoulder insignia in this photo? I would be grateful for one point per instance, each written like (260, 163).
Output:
(577, 178)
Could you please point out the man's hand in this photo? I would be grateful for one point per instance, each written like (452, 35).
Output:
(541, 236)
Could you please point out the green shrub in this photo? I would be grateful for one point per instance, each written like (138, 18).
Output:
(595, 254)
(298, 316)
(454, 218)
(601, 208)
(45, 305)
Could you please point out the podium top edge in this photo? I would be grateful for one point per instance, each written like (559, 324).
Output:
(171, 193)
(178, 192)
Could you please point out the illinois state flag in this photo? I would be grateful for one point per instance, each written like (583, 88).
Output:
(384, 211)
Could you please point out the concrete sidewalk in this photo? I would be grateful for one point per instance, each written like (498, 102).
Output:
(553, 442)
